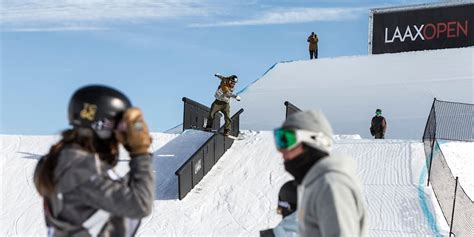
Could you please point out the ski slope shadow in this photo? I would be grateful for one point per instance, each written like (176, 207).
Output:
(31, 156)
(170, 157)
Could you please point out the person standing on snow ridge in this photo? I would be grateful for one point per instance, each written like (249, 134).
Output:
(313, 45)
(330, 200)
(82, 196)
(223, 94)
(287, 200)
(378, 125)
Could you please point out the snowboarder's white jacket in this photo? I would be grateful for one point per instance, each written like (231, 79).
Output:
(224, 92)
(89, 202)
(330, 200)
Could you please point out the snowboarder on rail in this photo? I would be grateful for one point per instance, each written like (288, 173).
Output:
(223, 94)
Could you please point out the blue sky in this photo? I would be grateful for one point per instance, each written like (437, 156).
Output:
(156, 52)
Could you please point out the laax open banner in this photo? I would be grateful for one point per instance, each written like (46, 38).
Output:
(408, 29)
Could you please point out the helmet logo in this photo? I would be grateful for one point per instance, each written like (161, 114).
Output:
(88, 111)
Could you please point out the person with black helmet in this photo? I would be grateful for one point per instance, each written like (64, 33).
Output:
(80, 196)
(223, 94)
(287, 200)
(330, 200)
(378, 126)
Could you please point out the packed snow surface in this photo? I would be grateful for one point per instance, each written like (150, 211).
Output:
(238, 196)
(349, 90)
(460, 159)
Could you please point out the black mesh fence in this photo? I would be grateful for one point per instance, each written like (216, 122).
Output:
(454, 121)
(443, 182)
(463, 219)
(429, 138)
(449, 121)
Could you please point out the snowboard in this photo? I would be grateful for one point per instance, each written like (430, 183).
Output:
(221, 133)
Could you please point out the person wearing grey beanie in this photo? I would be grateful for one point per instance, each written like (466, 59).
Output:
(330, 200)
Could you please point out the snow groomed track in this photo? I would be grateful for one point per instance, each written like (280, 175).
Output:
(238, 196)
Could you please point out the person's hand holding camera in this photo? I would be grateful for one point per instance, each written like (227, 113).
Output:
(133, 132)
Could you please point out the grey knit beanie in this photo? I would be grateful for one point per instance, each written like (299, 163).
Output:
(314, 121)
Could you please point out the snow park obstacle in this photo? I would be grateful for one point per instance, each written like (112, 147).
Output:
(290, 109)
(195, 115)
(449, 121)
(204, 158)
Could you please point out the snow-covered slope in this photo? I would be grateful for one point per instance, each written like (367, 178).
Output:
(238, 196)
(349, 89)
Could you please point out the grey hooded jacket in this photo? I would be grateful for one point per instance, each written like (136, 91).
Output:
(330, 200)
(84, 188)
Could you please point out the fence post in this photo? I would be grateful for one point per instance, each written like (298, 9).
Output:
(431, 162)
(434, 140)
(454, 205)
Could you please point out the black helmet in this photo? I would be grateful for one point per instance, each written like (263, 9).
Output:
(378, 110)
(92, 105)
(287, 198)
(233, 78)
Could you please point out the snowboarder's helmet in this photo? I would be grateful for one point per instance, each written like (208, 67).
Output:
(287, 198)
(378, 111)
(95, 105)
(316, 131)
(234, 79)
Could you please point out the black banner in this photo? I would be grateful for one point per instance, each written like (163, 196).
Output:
(422, 29)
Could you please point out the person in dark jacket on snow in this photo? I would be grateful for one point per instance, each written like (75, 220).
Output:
(313, 45)
(287, 200)
(330, 200)
(378, 126)
(81, 196)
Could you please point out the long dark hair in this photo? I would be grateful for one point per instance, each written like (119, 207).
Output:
(87, 140)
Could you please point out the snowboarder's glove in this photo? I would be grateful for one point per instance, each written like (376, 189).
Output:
(237, 98)
(217, 75)
(133, 132)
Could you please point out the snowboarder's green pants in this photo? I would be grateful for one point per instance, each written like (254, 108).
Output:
(216, 107)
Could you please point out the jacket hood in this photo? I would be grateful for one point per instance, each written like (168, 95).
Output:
(333, 163)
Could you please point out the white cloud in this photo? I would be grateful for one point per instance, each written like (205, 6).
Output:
(293, 15)
(83, 15)
(52, 29)
(73, 14)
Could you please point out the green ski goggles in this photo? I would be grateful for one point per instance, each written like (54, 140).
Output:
(287, 139)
